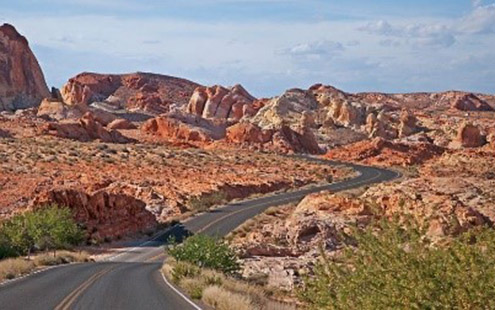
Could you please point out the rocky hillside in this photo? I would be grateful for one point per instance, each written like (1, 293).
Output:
(22, 84)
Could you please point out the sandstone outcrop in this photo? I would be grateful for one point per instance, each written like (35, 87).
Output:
(469, 102)
(148, 92)
(22, 84)
(53, 109)
(221, 102)
(182, 127)
(287, 109)
(469, 135)
(87, 129)
(407, 125)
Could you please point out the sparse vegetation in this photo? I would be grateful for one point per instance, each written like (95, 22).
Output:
(206, 252)
(398, 268)
(206, 201)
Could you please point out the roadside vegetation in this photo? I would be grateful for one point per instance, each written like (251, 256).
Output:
(207, 270)
(49, 228)
(11, 268)
(396, 267)
(206, 201)
(38, 234)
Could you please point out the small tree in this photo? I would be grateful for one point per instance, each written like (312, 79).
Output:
(48, 228)
(206, 252)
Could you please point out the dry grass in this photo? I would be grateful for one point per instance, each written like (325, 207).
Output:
(15, 267)
(220, 291)
(222, 299)
(60, 257)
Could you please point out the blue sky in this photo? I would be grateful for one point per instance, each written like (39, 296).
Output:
(268, 45)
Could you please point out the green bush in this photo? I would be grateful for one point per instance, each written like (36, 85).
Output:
(48, 228)
(206, 252)
(396, 268)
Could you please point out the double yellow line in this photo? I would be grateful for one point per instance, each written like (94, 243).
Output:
(67, 302)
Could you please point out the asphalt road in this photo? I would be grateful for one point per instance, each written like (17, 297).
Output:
(131, 280)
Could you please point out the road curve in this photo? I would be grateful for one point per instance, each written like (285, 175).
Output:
(131, 280)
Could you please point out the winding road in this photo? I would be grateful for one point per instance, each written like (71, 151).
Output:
(131, 280)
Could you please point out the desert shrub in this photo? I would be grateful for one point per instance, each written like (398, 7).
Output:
(206, 201)
(184, 270)
(206, 252)
(221, 299)
(48, 228)
(397, 268)
(193, 287)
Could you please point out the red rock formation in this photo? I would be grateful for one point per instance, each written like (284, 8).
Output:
(87, 129)
(22, 84)
(104, 215)
(383, 152)
(469, 135)
(469, 102)
(180, 127)
(221, 102)
(246, 132)
(153, 93)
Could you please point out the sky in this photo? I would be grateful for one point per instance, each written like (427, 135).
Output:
(268, 45)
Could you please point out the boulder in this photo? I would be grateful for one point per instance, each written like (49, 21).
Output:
(246, 132)
(87, 129)
(121, 123)
(469, 102)
(22, 84)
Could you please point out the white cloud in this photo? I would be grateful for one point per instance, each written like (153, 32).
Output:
(480, 21)
(316, 48)
(435, 35)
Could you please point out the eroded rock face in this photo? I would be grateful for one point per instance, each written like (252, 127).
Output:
(22, 84)
(87, 129)
(469, 135)
(106, 215)
(221, 102)
(148, 92)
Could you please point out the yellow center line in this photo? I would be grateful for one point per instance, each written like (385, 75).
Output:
(69, 299)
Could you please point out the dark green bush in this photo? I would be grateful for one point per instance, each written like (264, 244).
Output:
(396, 268)
(206, 252)
(48, 228)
